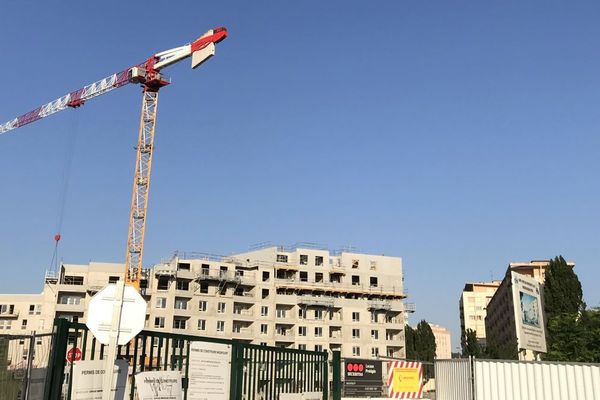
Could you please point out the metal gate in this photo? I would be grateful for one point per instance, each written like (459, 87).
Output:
(257, 372)
(23, 366)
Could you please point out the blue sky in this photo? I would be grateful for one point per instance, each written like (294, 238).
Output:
(460, 136)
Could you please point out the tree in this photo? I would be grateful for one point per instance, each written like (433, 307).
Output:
(566, 326)
(470, 345)
(409, 342)
(562, 289)
(425, 346)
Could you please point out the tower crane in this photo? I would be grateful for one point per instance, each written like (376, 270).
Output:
(149, 75)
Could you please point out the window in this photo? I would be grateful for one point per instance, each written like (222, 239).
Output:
(374, 334)
(303, 276)
(202, 305)
(223, 271)
(5, 323)
(373, 265)
(265, 276)
(181, 304)
(183, 284)
(32, 309)
(24, 324)
(301, 347)
(239, 292)
(374, 316)
(265, 293)
(204, 287)
(220, 326)
(302, 313)
(303, 259)
(355, 316)
(73, 280)
(113, 279)
(318, 260)
(201, 324)
(355, 280)
(183, 266)
(179, 323)
(221, 308)
(356, 351)
(318, 347)
(318, 313)
(373, 281)
(282, 258)
(355, 264)
(161, 302)
(318, 331)
(281, 313)
(205, 270)
(355, 333)
(263, 343)
(66, 299)
(159, 322)
(301, 331)
(163, 283)
(374, 351)
(264, 328)
(264, 311)
(319, 277)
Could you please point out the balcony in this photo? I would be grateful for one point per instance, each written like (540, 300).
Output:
(410, 307)
(242, 333)
(243, 315)
(284, 336)
(70, 307)
(246, 297)
(337, 287)
(380, 305)
(286, 299)
(10, 314)
(315, 301)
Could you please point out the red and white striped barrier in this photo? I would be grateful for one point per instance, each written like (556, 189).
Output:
(405, 380)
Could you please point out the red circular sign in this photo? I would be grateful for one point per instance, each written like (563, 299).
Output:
(74, 354)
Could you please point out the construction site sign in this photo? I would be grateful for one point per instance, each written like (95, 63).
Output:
(209, 371)
(405, 380)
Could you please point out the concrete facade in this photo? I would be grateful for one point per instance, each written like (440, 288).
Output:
(473, 305)
(300, 297)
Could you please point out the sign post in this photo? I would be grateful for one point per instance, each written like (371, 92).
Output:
(115, 315)
(363, 378)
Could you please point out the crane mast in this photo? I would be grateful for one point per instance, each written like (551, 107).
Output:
(148, 75)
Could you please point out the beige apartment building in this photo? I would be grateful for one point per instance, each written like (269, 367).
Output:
(500, 324)
(473, 305)
(301, 297)
(443, 342)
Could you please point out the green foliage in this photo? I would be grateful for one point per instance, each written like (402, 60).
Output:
(562, 289)
(470, 345)
(574, 337)
(573, 333)
(420, 345)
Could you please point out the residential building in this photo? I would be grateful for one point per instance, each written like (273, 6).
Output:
(302, 297)
(443, 343)
(473, 304)
(500, 324)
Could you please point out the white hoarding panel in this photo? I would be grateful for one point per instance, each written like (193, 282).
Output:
(529, 315)
(453, 379)
(522, 380)
(159, 385)
(209, 371)
(88, 379)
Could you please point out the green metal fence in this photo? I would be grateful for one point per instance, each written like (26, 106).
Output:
(257, 372)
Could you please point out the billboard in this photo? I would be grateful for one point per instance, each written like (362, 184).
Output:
(529, 313)
(363, 378)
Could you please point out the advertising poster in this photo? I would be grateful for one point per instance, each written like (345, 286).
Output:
(363, 378)
(209, 371)
(159, 385)
(88, 379)
(529, 316)
(405, 380)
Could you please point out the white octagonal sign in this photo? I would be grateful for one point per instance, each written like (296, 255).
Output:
(100, 314)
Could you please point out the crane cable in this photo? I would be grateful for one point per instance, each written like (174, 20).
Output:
(64, 186)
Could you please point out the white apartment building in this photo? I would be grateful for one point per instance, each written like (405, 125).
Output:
(473, 307)
(301, 297)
